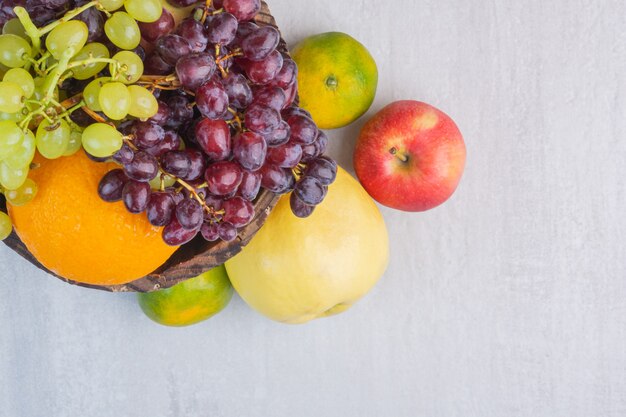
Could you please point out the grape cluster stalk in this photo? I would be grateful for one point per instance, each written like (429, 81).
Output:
(199, 125)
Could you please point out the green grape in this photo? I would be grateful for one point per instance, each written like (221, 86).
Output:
(144, 10)
(13, 117)
(11, 97)
(24, 154)
(23, 195)
(5, 226)
(13, 49)
(91, 50)
(111, 5)
(70, 35)
(123, 31)
(22, 78)
(11, 136)
(40, 92)
(132, 66)
(114, 100)
(76, 142)
(101, 140)
(52, 140)
(143, 104)
(91, 93)
(15, 27)
(11, 178)
(168, 181)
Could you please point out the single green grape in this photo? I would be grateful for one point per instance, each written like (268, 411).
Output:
(143, 104)
(123, 31)
(11, 97)
(22, 78)
(144, 10)
(52, 140)
(114, 99)
(25, 153)
(132, 67)
(101, 140)
(15, 27)
(75, 143)
(91, 93)
(22, 195)
(111, 5)
(11, 136)
(5, 226)
(70, 35)
(91, 50)
(13, 50)
(168, 181)
(11, 178)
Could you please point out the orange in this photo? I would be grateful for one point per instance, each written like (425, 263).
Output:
(76, 235)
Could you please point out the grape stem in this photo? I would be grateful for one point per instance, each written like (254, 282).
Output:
(195, 195)
(67, 17)
(30, 28)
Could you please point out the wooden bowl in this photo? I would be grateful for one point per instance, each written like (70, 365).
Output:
(193, 258)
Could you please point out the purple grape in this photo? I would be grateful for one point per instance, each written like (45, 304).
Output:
(212, 100)
(146, 134)
(261, 119)
(249, 149)
(277, 180)
(223, 177)
(303, 130)
(195, 70)
(269, 96)
(250, 185)
(154, 65)
(189, 214)
(278, 136)
(285, 156)
(182, 3)
(238, 211)
(197, 164)
(160, 209)
(172, 47)
(227, 231)
(111, 185)
(287, 74)
(310, 191)
(136, 196)
(222, 28)
(182, 112)
(243, 9)
(299, 208)
(174, 234)
(210, 232)
(321, 142)
(244, 30)
(162, 115)
(265, 70)
(143, 168)
(213, 137)
(155, 30)
(238, 90)
(259, 44)
(324, 170)
(94, 20)
(194, 33)
(176, 163)
(125, 155)
(171, 142)
(291, 91)
(295, 111)
(214, 202)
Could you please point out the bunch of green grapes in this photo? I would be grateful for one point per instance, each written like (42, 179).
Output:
(35, 112)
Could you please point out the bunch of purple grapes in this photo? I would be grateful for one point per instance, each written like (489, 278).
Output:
(226, 127)
(40, 11)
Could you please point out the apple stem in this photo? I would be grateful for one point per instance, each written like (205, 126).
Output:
(401, 157)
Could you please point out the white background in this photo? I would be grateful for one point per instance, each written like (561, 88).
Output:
(508, 301)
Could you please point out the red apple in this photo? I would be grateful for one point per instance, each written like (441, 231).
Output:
(410, 156)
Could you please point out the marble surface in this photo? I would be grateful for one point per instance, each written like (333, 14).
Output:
(508, 301)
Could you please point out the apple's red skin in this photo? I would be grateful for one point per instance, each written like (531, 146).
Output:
(410, 156)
